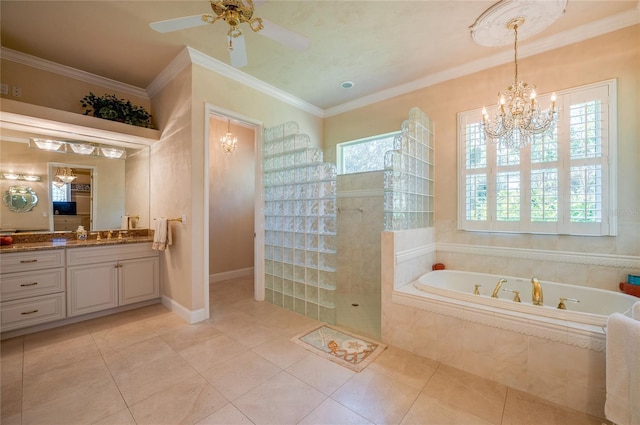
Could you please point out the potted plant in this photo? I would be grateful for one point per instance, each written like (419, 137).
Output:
(109, 107)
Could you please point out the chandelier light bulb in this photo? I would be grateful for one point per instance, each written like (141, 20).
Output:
(229, 142)
(519, 117)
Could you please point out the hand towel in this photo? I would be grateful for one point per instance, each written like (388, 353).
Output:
(161, 234)
(635, 310)
(622, 405)
(124, 222)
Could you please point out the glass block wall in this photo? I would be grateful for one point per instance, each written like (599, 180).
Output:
(300, 224)
(408, 175)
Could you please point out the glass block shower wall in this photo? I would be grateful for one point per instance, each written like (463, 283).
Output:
(300, 224)
(408, 175)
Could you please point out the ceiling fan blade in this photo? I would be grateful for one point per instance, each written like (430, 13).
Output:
(178, 23)
(283, 35)
(239, 52)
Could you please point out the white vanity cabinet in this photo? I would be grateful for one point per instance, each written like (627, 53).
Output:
(100, 278)
(32, 288)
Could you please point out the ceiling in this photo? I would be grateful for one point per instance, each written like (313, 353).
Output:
(381, 46)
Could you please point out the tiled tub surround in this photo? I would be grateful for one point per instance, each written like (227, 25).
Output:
(546, 358)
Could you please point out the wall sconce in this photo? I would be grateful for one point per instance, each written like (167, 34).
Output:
(26, 177)
(48, 145)
(89, 149)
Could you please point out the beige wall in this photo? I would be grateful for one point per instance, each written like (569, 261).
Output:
(170, 188)
(56, 91)
(231, 199)
(614, 55)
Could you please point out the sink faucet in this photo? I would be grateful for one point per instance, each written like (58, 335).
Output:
(497, 288)
(536, 292)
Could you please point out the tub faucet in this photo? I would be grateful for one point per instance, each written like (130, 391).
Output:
(536, 292)
(497, 288)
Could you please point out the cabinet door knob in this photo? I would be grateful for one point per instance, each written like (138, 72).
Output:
(29, 284)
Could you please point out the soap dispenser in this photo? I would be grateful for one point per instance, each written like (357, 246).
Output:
(81, 233)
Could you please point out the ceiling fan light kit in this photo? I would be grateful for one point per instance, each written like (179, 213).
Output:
(235, 13)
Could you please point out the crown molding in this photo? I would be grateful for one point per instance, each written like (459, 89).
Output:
(235, 74)
(189, 55)
(169, 72)
(67, 71)
(575, 35)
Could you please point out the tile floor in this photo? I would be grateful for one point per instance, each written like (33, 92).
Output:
(147, 366)
(363, 317)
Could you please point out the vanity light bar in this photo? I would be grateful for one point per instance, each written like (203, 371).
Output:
(26, 177)
(80, 148)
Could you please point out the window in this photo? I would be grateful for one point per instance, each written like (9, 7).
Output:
(562, 183)
(359, 156)
(60, 194)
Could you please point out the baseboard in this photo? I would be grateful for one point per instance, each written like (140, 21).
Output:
(231, 274)
(191, 316)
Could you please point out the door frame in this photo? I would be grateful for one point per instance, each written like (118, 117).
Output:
(258, 249)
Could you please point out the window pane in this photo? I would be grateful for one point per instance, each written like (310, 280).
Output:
(508, 196)
(586, 194)
(544, 195)
(366, 155)
(60, 194)
(544, 147)
(585, 130)
(476, 146)
(507, 155)
(476, 190)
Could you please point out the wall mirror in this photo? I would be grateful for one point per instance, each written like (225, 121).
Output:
(106, 186)
(20, 199)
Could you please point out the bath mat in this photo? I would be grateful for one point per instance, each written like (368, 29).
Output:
(350, 351)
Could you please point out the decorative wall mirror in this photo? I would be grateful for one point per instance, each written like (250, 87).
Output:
(20, 199)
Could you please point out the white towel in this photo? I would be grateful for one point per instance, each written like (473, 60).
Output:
(622, 405)
(635, 310)
(161, 234)
(124, 222)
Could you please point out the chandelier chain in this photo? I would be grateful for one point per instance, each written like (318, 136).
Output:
(518, 117)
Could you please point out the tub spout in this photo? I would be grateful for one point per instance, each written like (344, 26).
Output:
(497, 288)
(536, 292)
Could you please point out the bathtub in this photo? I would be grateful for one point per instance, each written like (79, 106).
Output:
(593, 306)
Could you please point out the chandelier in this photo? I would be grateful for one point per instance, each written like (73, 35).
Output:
(229, 142)
(519, 117)
(63, 176)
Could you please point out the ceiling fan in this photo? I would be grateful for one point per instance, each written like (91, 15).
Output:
(234, 13)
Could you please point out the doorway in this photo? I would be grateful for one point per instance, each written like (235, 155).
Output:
(234, 191)
(71, 203)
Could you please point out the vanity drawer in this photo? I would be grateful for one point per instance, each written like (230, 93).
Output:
(32, 311)
(32, 260)
(94, 255)
(14, 286)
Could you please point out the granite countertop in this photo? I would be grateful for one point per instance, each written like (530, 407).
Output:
(39, 242)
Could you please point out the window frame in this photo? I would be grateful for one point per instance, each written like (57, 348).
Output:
(606, 93)
(340, 164)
